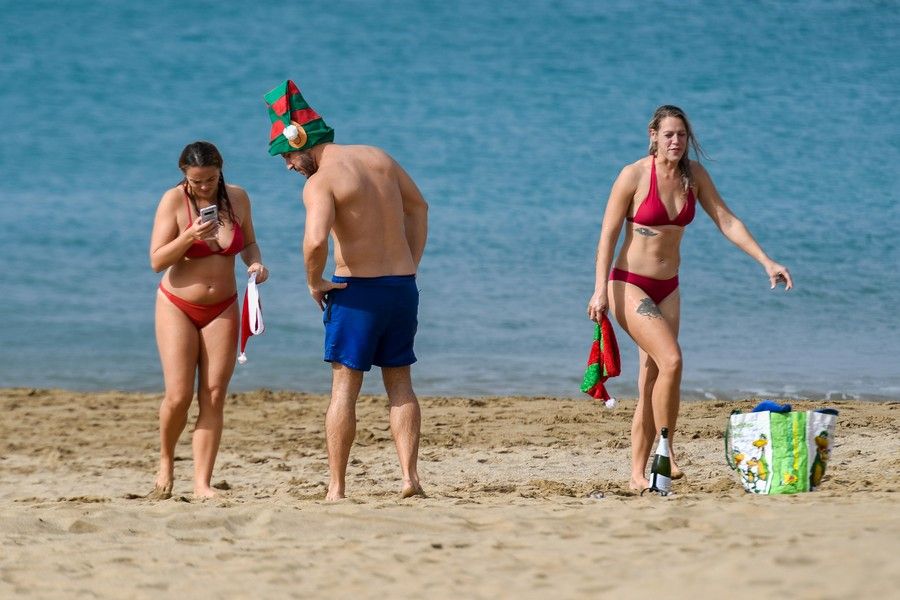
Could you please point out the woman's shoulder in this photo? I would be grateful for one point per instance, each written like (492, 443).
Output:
(698, 170)
(236, 193)
(634, 171)
(696, 164)
(172, 197)
(240, 201)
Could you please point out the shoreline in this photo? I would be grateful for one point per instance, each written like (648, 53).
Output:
(687, 395)
(506, 513)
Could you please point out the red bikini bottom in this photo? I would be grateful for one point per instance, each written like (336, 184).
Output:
(200, 315)
(657, 289)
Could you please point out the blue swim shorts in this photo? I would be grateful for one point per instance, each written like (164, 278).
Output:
(372, 321)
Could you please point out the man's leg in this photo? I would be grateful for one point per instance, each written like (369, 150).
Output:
(340, 425)
(406, 421)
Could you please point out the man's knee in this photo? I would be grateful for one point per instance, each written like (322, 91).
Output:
(345, 380)
(397, 381)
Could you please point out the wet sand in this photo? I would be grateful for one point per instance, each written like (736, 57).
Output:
(506, 514)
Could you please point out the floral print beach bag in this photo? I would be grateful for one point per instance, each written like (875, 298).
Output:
(780, 452)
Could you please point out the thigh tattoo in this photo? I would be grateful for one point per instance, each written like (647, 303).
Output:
(649, 308)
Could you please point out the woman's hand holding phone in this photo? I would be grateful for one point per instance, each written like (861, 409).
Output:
(205, 231)
(208, 222)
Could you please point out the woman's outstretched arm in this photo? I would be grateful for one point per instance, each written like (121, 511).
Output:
(734, 229)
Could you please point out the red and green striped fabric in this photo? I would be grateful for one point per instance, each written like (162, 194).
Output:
(287, 106)
(603, 361)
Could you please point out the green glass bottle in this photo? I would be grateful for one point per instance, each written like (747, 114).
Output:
(661, 470)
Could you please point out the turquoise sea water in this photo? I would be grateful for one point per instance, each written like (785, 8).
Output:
(514, 118)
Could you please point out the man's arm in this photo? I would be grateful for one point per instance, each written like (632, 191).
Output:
(319, 203)
(415, 212)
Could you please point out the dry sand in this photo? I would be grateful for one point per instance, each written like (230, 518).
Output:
(506, 515)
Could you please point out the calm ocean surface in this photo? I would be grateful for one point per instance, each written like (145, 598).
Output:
(514, 118)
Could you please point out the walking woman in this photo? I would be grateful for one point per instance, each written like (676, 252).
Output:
(197, 318)
(655, 199)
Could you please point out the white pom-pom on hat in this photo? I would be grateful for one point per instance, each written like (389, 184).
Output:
(295, 134)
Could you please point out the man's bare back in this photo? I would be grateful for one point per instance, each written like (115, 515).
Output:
(369, 229)
(375, 212)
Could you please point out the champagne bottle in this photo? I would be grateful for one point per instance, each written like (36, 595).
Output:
(661, 470)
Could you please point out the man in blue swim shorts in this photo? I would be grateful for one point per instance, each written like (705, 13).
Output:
(378, 221)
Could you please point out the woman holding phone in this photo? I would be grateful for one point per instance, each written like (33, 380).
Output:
(201, 224)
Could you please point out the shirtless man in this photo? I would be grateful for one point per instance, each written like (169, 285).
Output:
(378, 220)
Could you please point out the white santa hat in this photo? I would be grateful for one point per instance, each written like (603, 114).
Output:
(251, 316)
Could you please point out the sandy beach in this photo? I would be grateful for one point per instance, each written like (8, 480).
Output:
(506, 514)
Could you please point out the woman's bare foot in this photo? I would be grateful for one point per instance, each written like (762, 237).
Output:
(161, 491)
(639, 484)
(204, 493)
(162, 487)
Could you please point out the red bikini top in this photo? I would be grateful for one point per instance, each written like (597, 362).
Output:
(200, 249)
(653, 213)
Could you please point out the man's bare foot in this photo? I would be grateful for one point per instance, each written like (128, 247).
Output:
(160, 491)
(335, 493)
(412, 489)
(639, 484)
(677, 473)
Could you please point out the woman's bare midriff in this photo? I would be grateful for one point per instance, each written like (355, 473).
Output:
(651, 251)
(202, 280)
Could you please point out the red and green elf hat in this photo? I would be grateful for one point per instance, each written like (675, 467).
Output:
(295, 125)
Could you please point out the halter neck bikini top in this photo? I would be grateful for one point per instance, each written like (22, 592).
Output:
(652, 212)
(200, 249)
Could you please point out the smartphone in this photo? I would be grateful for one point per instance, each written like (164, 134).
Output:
(209, 213)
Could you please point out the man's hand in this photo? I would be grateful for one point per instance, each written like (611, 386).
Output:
(320, 289)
